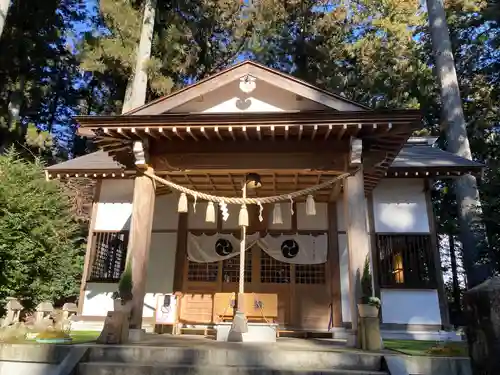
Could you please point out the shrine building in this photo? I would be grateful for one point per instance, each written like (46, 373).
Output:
(347, 185)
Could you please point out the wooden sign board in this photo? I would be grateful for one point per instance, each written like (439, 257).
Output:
(166, 309)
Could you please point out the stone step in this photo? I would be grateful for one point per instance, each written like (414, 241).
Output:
(106, 368)
(241, 355)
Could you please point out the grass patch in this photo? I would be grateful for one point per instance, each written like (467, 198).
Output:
(80, 337)
(428, 348)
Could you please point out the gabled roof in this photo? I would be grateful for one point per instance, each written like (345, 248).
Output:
(231, 74)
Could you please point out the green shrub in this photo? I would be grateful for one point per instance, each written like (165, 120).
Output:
(41, 243)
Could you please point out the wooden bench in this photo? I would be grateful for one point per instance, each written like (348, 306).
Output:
(262, 307)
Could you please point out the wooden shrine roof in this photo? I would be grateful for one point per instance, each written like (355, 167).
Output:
(258, 71)
(291, 149)
(417, 159)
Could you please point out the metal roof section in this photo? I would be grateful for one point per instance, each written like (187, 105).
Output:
(415, 155)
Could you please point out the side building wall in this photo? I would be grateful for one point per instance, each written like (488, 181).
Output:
(113, 213)
(396, 207)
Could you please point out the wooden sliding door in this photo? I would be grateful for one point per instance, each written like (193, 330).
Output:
(303, 290)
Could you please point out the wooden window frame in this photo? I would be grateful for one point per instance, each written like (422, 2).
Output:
(313, 274)
(119, 259)
(269, 269)
(211, 274)
(310, 274)
(418, 261)
(231, 268)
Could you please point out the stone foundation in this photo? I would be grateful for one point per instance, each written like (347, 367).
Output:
(257, 332)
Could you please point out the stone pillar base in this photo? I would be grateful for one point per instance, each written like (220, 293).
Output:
(256, 332)
(136, 335)
(351, 339)
(370, 334)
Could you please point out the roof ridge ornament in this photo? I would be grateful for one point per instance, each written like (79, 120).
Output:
(248, 83)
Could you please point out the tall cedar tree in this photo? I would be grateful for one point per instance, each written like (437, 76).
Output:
(192, 40)
(38, 70)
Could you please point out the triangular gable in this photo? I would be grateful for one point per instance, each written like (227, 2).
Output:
(261, 73)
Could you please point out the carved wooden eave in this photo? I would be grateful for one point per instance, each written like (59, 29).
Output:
(310, 141)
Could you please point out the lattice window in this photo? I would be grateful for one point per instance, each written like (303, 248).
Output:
(110, 256)
(273, 271)
(206, 272)
(231, 268)
(406, 261)
(310, 273)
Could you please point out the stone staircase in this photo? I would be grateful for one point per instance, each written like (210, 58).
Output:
(233, 359)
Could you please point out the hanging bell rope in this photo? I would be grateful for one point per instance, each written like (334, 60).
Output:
(234, 200)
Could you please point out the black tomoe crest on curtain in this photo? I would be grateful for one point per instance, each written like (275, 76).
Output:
(223, 247)
(289, 249)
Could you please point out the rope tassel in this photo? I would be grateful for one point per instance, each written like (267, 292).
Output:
(210, 215)
(310, 206)
(277, 217)
(243, 218)
(183, 203)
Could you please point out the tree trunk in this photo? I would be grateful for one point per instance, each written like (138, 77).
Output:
(454, 275)
(4, 10)
(135, 95)
(466, 191)
(15, 104)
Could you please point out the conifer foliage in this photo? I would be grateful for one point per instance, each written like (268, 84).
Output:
(41, 247)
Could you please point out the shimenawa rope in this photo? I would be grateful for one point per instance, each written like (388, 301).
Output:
(235, 200)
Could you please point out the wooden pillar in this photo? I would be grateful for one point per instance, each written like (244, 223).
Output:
(442, 298)
(358, 242)
(181, 252)
(375, 263)
(139, 242)
(334, 264)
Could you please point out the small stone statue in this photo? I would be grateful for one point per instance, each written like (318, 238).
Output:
(14, 309)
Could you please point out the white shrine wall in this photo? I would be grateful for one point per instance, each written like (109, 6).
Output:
(399, 206)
